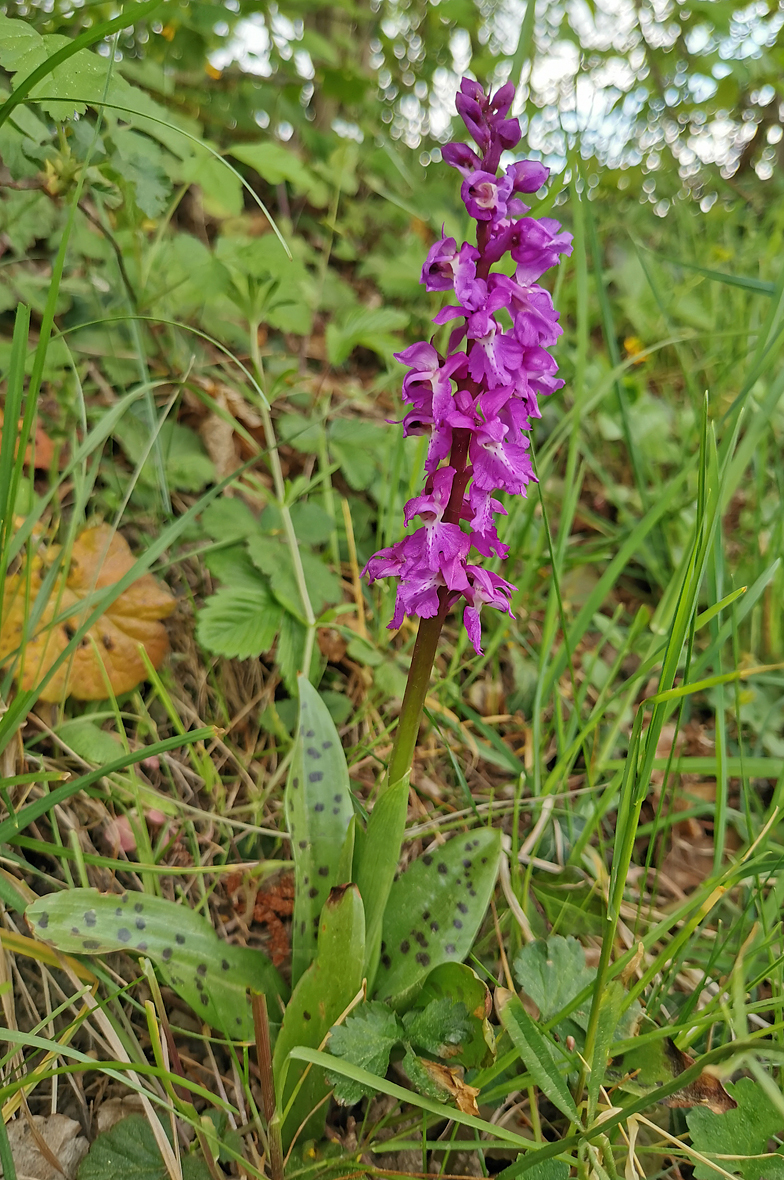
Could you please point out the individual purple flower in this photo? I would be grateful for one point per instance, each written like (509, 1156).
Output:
(479, 400)
(428, 382)
(440, 542)
(527, 176)
(531, 308)
(499, 460)
(486, 195)
(460, 156)
(539, 246)
(448, 268)
(485, 588)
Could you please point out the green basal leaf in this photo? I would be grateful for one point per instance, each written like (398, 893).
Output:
(319, 810)
(434, 912)
(212, 976)
(129, 1149)
(319, 999)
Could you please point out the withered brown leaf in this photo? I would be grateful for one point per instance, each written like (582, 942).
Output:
(109, 652)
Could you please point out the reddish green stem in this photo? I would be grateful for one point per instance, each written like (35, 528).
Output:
(426, 644)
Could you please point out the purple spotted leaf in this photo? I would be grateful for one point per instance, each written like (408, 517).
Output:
(319, 811)
(434, 912)
(212, 976)
(323, 993)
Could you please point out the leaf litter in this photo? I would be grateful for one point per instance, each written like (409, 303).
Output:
(107, 656)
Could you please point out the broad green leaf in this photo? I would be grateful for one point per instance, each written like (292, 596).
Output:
(434, 911)
(89, 741)
(83, 76)
(233, 566)
(239, 622)
(439, 1028)
(138, 160)
(319, 810)
(275, 163)
(129, 1149)
(319, 999)
(208, 973)
(538, 1055)
(745, 1131)
(229, 520)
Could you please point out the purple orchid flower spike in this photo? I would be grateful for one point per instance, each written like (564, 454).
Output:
(478, 401)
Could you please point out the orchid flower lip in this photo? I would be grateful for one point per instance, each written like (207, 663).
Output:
(479, 399)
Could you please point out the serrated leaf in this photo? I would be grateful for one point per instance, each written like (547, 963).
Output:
(212, 976)
(434, 911)
(129, 1149)
(319, 809)
(138, 161)
(552, 972)
(744, 1131)
(366, 1039)
(275, 163)
(187, 464)
(25, 218)
(365, 326)
(356, 445)
(228, 519)
(83, 76)
(233, 566)
(273, 557)
(458, 982)
(439, 1028)
(239, 622)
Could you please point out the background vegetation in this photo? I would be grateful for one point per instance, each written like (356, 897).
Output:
(216, 216)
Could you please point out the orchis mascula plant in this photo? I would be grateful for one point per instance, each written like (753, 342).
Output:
(475, 402)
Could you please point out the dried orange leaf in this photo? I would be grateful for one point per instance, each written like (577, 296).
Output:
(44, 447)
(109, 652)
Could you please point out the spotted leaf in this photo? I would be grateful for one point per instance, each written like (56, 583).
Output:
(434, 912)
(318, 810)
(319, 999)
(209, 974)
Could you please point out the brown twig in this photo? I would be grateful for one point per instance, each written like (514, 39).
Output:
(269, 1105)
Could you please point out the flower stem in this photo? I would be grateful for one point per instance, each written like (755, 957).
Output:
(414, 697)
(426, 643)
